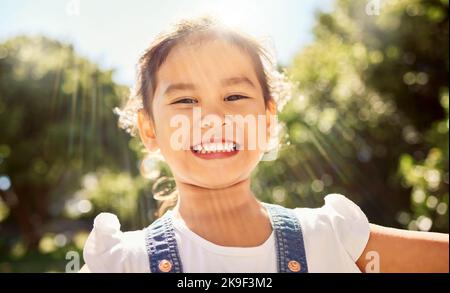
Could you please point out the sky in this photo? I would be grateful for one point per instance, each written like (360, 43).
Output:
(114, 33)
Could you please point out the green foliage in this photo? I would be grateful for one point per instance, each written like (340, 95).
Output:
(428, 178)
(57, 107)
(116, 192)
(369, 92)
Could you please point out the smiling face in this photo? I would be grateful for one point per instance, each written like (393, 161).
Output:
(203, 86)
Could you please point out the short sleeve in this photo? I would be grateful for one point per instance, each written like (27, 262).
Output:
(109, 250)
(349, 223)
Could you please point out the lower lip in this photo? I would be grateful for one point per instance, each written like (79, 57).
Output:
(215, 155)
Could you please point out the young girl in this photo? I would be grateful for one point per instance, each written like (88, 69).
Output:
(218, 225)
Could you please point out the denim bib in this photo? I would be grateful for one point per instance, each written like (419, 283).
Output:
(164, 256)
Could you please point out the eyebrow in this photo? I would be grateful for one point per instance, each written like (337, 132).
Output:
(179, 87)
(237, 80)
(190, 86)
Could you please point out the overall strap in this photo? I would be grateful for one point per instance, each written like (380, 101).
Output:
(291, 257)
(162, 246)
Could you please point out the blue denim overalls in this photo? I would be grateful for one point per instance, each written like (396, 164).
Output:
(290, 250)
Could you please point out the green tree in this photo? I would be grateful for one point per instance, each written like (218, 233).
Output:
(369, 90)
(56, 112)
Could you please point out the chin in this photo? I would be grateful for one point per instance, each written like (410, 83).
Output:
(217, 182)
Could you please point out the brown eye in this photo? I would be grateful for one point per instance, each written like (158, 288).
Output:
(235, 98)
(186, 101)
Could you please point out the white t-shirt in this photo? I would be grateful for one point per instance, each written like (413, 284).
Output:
(334, 235)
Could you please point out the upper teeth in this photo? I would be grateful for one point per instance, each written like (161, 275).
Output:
(215, 147)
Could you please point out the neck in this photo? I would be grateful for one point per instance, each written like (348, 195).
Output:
(205, 203)
(229, 213)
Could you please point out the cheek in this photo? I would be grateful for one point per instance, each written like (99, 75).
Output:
(173, 131)
(255, 130)
(255, 107)
(162, 129)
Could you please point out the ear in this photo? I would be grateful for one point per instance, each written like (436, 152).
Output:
(271, 112)
(147, 131)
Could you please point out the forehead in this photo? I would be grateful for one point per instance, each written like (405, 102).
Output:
(206, 62)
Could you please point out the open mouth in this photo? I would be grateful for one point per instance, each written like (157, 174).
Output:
(215, 150)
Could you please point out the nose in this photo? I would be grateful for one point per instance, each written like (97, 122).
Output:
(207, 123)
(212, 116)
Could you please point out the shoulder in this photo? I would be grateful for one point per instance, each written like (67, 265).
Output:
(108, 249)
(339, 229)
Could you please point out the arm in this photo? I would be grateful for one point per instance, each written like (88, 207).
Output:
(403, 251)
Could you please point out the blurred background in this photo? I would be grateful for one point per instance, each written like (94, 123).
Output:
(368, 117)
